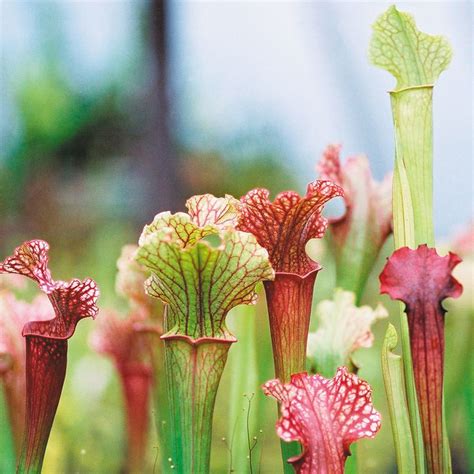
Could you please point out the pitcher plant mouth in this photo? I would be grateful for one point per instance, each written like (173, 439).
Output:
(284, 227)
(46, 344)
(199, 341)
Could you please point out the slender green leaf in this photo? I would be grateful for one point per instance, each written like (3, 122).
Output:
(392, 370)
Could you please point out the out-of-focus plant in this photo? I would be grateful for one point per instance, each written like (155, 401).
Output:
(284, 227)
(343, 328)
(359, 234)
(201, 267)
(459, 378)
(326, 416)
(122, 340)
(422, 280)
(132, 343)
(416, 60)
(46, 345)
(129, 342)
(14, 314)
(60, 128)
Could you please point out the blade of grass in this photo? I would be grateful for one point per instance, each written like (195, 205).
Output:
(392, 369)
(7, 457)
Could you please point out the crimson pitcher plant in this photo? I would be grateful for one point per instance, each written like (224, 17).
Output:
(46, 345)
(422, 280)
(284, 227)
(14, 314)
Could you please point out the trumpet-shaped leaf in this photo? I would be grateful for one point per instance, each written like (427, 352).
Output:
(422, 280)
(416, 60)
(326, 416)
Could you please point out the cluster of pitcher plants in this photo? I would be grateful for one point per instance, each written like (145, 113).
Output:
(191, 268)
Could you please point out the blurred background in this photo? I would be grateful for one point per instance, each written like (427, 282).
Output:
(112, 111)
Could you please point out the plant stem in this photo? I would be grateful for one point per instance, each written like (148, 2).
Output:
(46, 361)
(193, 370)
(413, 174)
(289, 300)
(136, 386)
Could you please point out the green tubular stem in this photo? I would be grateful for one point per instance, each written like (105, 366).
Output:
(289, 299)
(413, 176)
(193, 372)
(392, 368)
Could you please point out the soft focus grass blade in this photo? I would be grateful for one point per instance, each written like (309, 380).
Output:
(392, 370)
(7, 451)
(245, 393)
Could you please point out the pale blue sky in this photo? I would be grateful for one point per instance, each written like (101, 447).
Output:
(301, 67)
